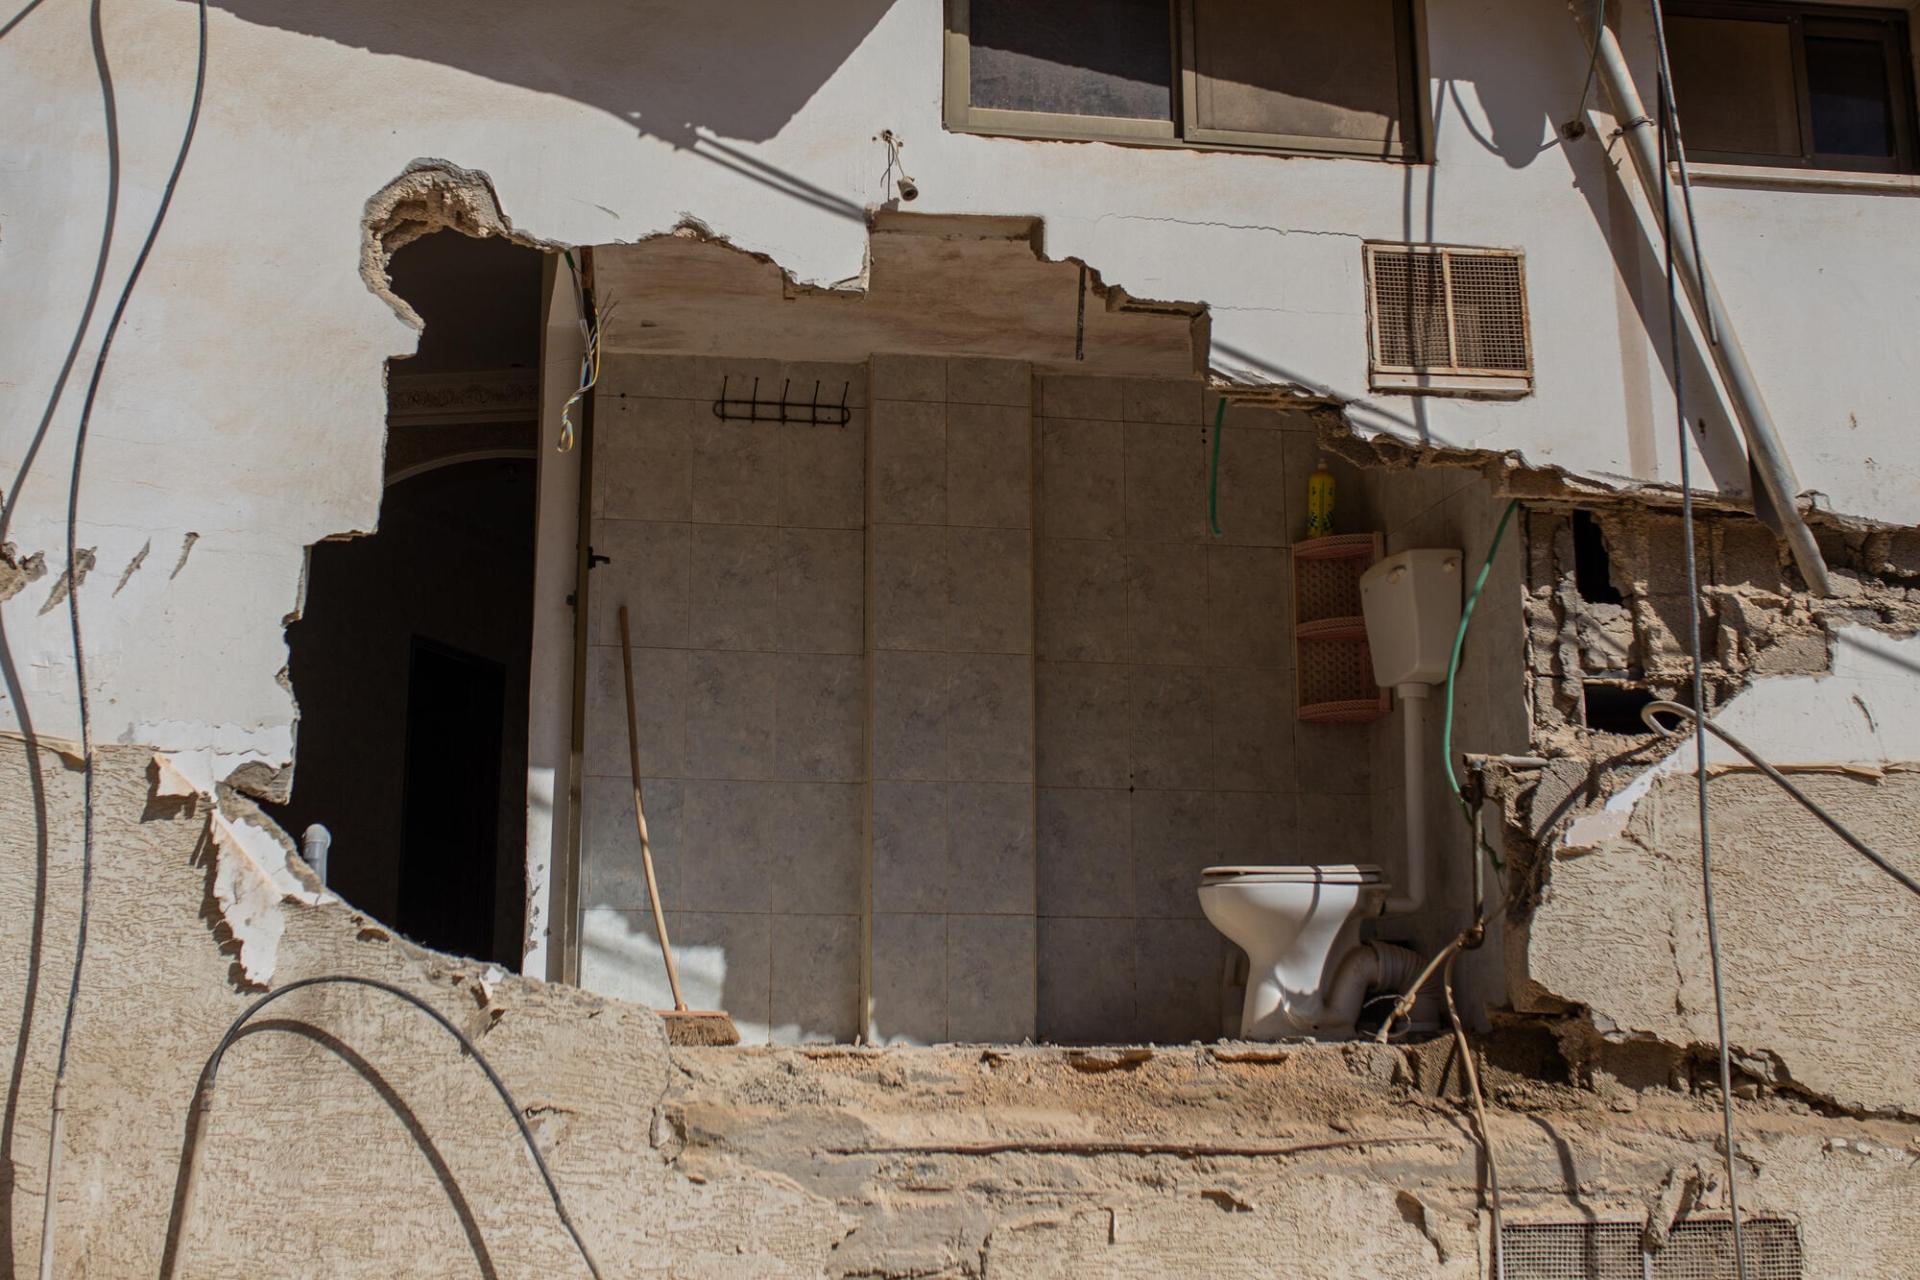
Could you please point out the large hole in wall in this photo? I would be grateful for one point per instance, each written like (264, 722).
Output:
(410, 660)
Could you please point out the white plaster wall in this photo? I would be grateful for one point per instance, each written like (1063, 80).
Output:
(243, 402)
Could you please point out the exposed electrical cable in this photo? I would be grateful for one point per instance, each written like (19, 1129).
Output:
(75, 473)
(590, 322)
(1669, 134)
(1577, 123)
(209, 1076)
(19, 17)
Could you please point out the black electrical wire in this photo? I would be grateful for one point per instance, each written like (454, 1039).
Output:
(1652, 710)
(210, 1074)
(75, 474)
(1668, 130)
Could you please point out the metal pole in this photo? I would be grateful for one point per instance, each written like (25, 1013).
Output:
(1749, 407)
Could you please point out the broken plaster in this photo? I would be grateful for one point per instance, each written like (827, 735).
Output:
(253, 872)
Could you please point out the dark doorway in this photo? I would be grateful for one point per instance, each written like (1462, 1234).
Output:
(450, 818)
(411, 656)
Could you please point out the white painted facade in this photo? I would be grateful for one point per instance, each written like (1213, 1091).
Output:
(242, 415)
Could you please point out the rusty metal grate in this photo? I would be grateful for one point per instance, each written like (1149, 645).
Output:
(1448, 311)
(1700, 1249)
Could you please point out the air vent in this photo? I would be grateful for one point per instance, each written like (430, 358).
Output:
(1699, 1249)
(1448, 319)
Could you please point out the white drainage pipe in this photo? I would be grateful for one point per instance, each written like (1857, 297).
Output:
(1412, 895)
(1371, 966)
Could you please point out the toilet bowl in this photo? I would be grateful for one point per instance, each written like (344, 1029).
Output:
(1307, 969)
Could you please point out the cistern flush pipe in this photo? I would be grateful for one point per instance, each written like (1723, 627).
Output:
(1413, 880)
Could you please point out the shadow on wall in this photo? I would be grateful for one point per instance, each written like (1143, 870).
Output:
(665, 68)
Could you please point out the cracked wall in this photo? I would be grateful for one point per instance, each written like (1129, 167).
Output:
(1815, 939)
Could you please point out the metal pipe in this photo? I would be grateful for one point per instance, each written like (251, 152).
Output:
(1413, 885)
(314, 844)
(1769, 456)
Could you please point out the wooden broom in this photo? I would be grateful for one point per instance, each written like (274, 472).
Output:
(684, 1026)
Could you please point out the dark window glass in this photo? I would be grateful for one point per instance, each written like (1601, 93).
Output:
(1074, 57)
(1733, 85)
(1847, 84)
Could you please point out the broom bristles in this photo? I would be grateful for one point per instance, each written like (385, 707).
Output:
(699, 1027)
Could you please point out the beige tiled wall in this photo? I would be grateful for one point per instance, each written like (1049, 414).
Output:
(952, 827)
(738, 549)
(1167, 739)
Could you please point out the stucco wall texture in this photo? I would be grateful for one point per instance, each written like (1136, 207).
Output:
(349, 1138)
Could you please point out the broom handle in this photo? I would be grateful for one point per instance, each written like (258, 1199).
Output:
(640, 817)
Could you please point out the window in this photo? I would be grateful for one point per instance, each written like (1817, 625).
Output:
(1798, 86)
(1444, 318)
(1314, 76)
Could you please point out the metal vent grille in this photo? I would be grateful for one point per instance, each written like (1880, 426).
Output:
(1701, 1249)
(1448, 311)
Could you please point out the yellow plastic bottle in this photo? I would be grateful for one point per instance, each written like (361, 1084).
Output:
(1320, 502)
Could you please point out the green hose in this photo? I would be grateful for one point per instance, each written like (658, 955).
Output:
(1213, 481)
(1453, 665)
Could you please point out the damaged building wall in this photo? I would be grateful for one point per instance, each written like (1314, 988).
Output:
(733, 1165)
(1817, 942)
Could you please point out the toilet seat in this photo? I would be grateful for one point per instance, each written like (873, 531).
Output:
(1342, 873)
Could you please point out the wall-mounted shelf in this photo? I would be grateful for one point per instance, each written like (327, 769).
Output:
(1333, 668)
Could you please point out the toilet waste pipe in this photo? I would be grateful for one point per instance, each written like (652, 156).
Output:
(1371, 966)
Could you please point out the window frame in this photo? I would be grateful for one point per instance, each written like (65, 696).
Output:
(1896, 42)
(1446, 379)
(961, 116)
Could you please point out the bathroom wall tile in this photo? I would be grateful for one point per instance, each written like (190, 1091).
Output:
(1257, 829)
(903, 377)
(910, 835)
(823, 475)
(660, 680)
(730, 714)
(1167, 602)
(1173, 842)
(1179, 974)
(1170, 739)
(990, 719)
(909, 444)
(729, 828)
(1252, 712)
(1254, 497)
(1086, 981)
(647, 572)
(990, 978)
(972, 380)
(822, 593)
(1338, 829)
(1332, 758)
(1249, 606)
(1166, 489)
(1175, 401)
(1085, 852)
(815, 993)
(910, 704)
(1083, 601)
(1074, 395)
(736, 471)
(990, 855)
(991, 585)
(1082, 466)
(912, 587)
(1082, 724)
(989, 466)
(818, 848)
(735, 587)
(820, 717)
(611, 873)
(643, 460)
(723, 958)
(909, 978)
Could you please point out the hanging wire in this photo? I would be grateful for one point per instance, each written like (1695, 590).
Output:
(1669, 134)
(1577, 122)
(591, 319)
(76, 469)
(209, 1077)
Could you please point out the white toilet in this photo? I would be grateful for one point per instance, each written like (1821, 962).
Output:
(1308, 972)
